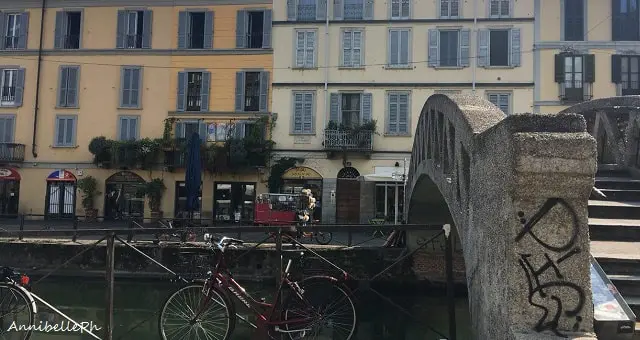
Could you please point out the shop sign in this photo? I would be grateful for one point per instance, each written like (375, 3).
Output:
(301, 172)
(9, 174)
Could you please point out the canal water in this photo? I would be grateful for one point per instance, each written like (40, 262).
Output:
(137, 305)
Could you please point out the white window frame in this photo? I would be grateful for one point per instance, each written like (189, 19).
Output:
(458, 59)
(352, 31)
(400, 3)
(499, 94)
(448, 4)
(398, 198)
(305, 48)
(500, 3)
(409, 48)
(13, 76)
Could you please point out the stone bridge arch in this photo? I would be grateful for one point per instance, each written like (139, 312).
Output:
(516, 188)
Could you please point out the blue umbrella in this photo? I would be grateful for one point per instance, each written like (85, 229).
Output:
(193, 174)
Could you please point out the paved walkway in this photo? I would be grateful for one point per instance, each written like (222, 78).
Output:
(616, 250)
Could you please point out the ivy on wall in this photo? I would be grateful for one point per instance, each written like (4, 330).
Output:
(275, 181)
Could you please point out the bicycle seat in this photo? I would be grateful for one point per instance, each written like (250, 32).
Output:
(229, 240)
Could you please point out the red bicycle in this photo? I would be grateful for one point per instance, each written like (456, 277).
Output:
(317, 307)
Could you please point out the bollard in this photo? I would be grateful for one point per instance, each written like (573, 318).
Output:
(75, 228)
(130, 236)
(449, 239)
(350, 238)
(20, 236)
(279, 255)
(111, 249)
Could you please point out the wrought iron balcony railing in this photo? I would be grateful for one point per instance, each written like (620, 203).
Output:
(133, 41)
(11, 152)
(8, 94)
(348, 140)
(71, 41)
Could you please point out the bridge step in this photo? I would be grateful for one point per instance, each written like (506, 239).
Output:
(619, 209)
(624, 183)
(612, 172)
(627, 285)
(606, 229)
(622, 194)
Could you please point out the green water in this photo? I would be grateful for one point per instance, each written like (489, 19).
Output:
(137, 305)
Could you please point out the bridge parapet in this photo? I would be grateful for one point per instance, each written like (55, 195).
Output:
(516, 189)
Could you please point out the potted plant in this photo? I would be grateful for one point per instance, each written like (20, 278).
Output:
(154, 190)
(89, 187)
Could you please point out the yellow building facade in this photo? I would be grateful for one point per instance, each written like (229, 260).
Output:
(341, 65)
(129, 70)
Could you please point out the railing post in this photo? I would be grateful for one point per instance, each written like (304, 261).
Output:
(111, 248)
(130, 235)
(451, 298)
(349, 238)
(20, 234)
(279, 255)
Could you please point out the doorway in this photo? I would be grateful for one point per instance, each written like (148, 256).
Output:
(348, 196)
(60, 201)
(233, 202)
(9, 192)
(123, 196)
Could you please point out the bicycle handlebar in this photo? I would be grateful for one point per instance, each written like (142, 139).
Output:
(224, 242)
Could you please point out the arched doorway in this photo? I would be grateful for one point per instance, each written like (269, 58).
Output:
(9, 192)
(60, 201)
(348, 196)
(123, 197)
(301, 177)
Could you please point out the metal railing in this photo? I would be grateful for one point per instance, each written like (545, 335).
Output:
(8, 94)
(71, 41)
(11, 42)
(194, 100)
(133, 41)
(579, 92)
(306, 12)
(348, 140)
(11, 152)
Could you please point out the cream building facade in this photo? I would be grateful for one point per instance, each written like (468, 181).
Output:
(342, 67)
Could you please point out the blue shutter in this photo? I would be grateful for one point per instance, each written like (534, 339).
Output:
(241, 29)
(19, 87)
(464, 46)
(334, 114)
(183, 21)
(264, 91)
(298, 112)
(366, 107)
(202, 131)
(433, 48)
(403, 113)
(515, 47)
(60, 29)
(238, 130)
(208, 29)
(147, 29)
(2, 31)
(73, 85)
(121, 29)
(266, 28)
(291, 10)
(204, 91)
(368, 10)
(124, 129)
(62, 86)
(125, 87)
(308, 117)
(239, 91)
(136, 85)
(24, 30)
(483, 48)
(181, 91)
(9, 129)
(321, 9)
(392, 114)
(338, 10)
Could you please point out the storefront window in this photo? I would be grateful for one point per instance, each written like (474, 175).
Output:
(234, 202)
(295, 186)
(181, 200)
(389, 200)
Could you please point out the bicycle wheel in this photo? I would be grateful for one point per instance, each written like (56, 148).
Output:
(327, 307)
(17, 313)
(324, 237)
(215, 322)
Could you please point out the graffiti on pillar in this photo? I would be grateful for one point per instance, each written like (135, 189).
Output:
(549, 290)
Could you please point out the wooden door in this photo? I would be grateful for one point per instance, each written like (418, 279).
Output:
(348, 201)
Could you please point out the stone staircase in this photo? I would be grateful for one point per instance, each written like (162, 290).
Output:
(614, 225)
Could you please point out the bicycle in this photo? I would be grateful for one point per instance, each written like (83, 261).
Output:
(17, 307)
(298, 316)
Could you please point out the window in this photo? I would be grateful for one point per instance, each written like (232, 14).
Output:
(350, 109)
(7, 128)
(625, 20)
(222, 130)
(252, 89)
(352, 46)
(625, 71)
(499, 8)
(128, 127)
(499, 47)
(399, 48)
(448, 48)
(353, 10)
(131, 83)
(181, 201)
(186, 129)
(68, 29)
(305, 48)
(501, 100)
(12, 86)
(389, 200)
(68, 88)
(195, 29)
(65, 131)
(134, 29)
(449, 8)
(575, 73)
(303, 112)
(15, 30)
(306, 10)
(234, 201)
(398, 113)
(193, 91)
(574, 20)
(253, 29)
(400, 9)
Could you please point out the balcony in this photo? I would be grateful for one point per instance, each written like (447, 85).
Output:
(8, 95)
(11, 152)
(194, 99)
(71, 42)
(348, 140)
(11, 42)
(133, 41)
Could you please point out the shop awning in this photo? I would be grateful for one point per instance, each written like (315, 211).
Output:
(385, 174)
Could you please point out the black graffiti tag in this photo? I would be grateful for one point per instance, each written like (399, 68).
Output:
(544, 210)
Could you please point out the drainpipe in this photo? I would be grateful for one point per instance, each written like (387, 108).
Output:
(327, 100)
(475, 31)
(36, 106)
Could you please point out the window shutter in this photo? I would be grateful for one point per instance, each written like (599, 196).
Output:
(2, 31)
(179, 130)
(3, 135)
(616, 69)
(266, 28)
(433, 48)
(393, 47)
(307, 123)
(183, 21)
(147, 28)
(133, 128)
(124, 128)
(356, 49)
(241, 27)
(368, 10)
(464, 47)
(24, 30)
(9, 129)
(205, 87)
(298, 112)
(310, 43)
(181, 91)
(334, 114)
(208, 29)
(19, 87)
(405, 48)
(392, 115)
(59, 30)
(515, 47)
(62, 86)
(321, 9)
(202, 130)
(589, 68)
(559, 68)
(121, 28)
(300, 48)
(240, 91)
(366, 107)
(136, 85)
(346, 55)
(292, 10)
(60, 126)
(503, 103)
(483, 48)
(403, 113)
(72, 88)
(238, 130)
(125, 87)
(338, 10)
(264, 91)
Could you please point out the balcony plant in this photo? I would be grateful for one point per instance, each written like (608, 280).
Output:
(354, 131)
(132, 154)
(252, 150)
(154, 191)
(101, 149)
(89, 187)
